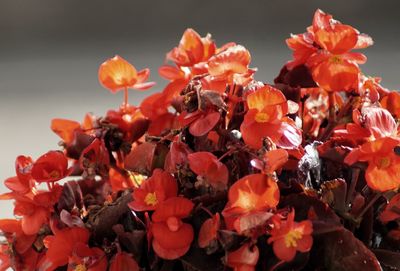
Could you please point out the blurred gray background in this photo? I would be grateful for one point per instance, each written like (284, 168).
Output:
(50, 51)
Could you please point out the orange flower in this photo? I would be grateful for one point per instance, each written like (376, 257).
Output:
(123, 261)
(207, 166)
(243, 259)
(13, 232)
(392, 210)
(233, 60)
(209, 231)
(192, 49)
(23, 182)
(50, 167)
(392, 103)
(383, 172)
(154, 191)
(116, 74)
(172, 237)
(87, 259)
(35, 210)
(61, 246)
(65, 129)
(249, 200)
(266, 118)
(289, 236)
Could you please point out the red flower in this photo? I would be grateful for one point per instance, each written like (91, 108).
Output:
(172, 237)
(23, 182)
(232, 60)
(207, 166)
(383, 172)
(391, 102)
(35, 210)
(209, 231)
(289, 236)
(392, 210)
(65, 129)
(154, 191)
(243, 259)
(123, 261)
(266, 118)
(13, 232)
(249, 200)
(60, 247)
(116, 74)
(87, 259)
(50, 167)
(192, 49)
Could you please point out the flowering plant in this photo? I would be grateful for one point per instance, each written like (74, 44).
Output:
(219, 170)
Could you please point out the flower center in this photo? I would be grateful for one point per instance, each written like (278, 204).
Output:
(54, 174)
(335, 59)
(151, 199)
(384, 162)
(261, 117)
(80, 267)
(292, 237)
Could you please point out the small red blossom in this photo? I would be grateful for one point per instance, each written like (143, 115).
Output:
(249, 200)
(50, 167)
(85, 258)
(383, 172)
(60, 247)
(123, 261)
(117, 74)
(209, 231)
(289, 236)
(171, 236)
(243, 259)
(391, 102)
(266, 117)
(207, 166)
(154, 191)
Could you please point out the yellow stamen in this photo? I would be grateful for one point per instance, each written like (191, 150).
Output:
(384, 162)
(151, 199)
(80, 267)
(261, 117)
(336, 59)
(292, 237)
(54, 174)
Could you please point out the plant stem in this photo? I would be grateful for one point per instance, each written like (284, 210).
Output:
(354, 179)
(125, 104)
(369, 205)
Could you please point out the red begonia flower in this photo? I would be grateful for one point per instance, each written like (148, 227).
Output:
(207, 166)
(123, 261)
(383, 172)
(154, 191)
(50, 167)
(65, 129)
(171, 236)
(392, 210)
(243, 259)
(209, 231)
(12, 231)
(61, 246)
(36, 210)
(391, 102)
(289, 236)
(233, 60)
(176, 156)
(87, 259)
(266, 118)
(116, 74)
(23, 182)
(249, 200)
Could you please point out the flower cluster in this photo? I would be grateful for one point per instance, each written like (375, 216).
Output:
(220, 171)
